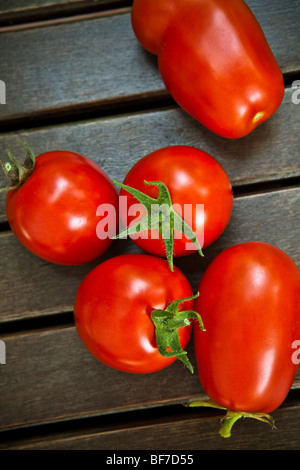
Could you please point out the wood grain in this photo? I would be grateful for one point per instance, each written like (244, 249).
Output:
(196, 430)
(74, 384)
(83, 83)
(34, 288)
(67, 372)
(269, 154)
(50, 376)
(84, 64)
(17, 11)
(73, 65)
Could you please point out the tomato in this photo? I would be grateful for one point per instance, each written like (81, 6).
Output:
(249, 300)
(52, 211)
(200, 191)
(118, 304)
(214, 60)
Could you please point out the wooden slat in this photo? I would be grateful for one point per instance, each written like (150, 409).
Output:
(49, 376)
(93, 63)
(25, 5)
(68, 373)
(72, 65)
(276, 20)
(74, 384)
(45, 288)
(54, 286)
(32, 287)
(270, 153)
(15, 11)
(195, 430)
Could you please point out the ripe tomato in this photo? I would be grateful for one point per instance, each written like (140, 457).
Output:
(113, 312)
(53, 211)
(214, 60)
(200, 191)
(249, 302)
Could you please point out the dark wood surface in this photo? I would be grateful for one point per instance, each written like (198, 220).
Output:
(77, 79)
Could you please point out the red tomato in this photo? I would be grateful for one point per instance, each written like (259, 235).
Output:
(197, 184)
(150, 20)
(113, 307)
(249, 302)
(53, 213)
(214, 60)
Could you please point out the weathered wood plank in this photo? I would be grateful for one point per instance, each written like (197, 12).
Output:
(194, 430)
(15, 9)
(45, 288)
(85, 64)
(31, 287)
(49, 376)
(69, 65)
(67, 373)
(268, 154)
(57, 69)
(277, 22)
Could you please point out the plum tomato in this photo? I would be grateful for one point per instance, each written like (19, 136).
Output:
(122, 306)
(214, 60)
(52, 206)
(249, 300)
(191, 195)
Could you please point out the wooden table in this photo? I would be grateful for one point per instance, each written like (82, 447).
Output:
(77, 79)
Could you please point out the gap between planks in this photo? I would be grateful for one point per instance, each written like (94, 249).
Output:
(128, 421)
(43, 17)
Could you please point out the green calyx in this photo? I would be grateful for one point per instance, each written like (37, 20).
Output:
(161, 216)
(232, 416)
(167, 322)
(15, 172)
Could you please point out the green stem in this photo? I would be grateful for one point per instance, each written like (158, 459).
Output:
(167, 322)
(228, 423)
(233, 416)
(15, 172)
(161, 216)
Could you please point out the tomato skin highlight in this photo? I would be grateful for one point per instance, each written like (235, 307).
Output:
(193, 178)
(113, 306)
(214, 60)
(53, 213)
(249, 302)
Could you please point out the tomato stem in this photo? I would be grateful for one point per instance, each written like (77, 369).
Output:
(233, 416)
(167, 322)
(15, 172)
(161, 216)
(228, 422)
